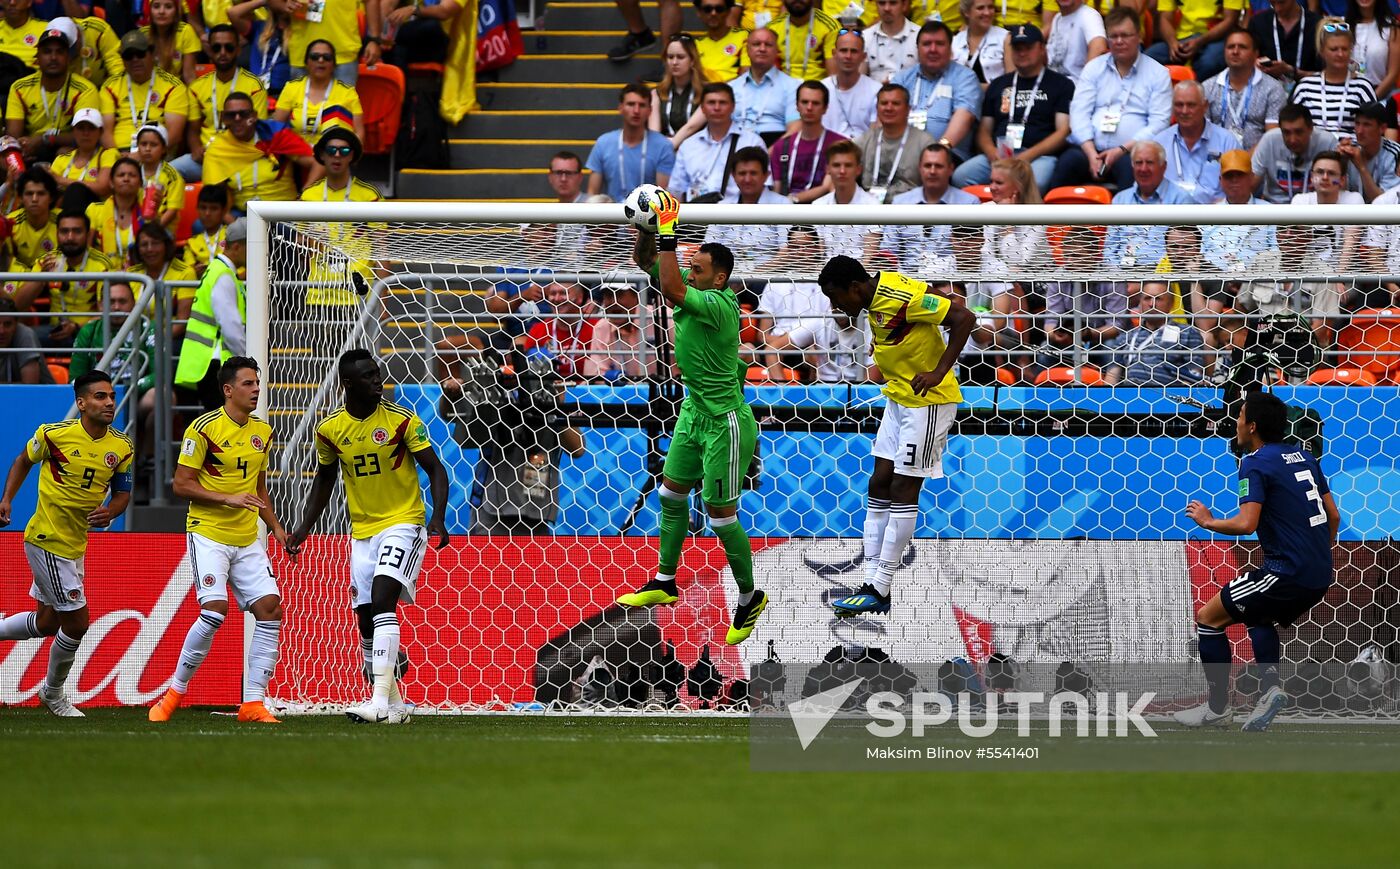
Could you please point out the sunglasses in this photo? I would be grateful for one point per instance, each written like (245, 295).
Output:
(1336, 27)
(843, 31)
(713, 10)
(681, 37)
(237, 114)
(338, 150)
(221, 47)
(318, 55)
(133, 54)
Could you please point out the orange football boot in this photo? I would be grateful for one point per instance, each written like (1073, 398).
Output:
(166, 706)
(254, 710)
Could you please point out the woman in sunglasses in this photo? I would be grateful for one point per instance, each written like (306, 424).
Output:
(318, 101)
(1334, 95)
(174, 39)
(675, 104)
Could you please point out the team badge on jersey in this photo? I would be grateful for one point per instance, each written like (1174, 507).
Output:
(110, 460)
(257, 442)
(731, 49)
(380, 435)
(30, 39)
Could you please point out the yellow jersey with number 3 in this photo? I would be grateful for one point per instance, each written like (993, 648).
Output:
(904, 319)
(229, 459)
(75, 472)
(381, 480)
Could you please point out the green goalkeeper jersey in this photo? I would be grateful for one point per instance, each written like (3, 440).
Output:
(707, 348)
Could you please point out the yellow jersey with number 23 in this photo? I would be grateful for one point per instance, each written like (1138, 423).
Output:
(381, 481)
(904, 319)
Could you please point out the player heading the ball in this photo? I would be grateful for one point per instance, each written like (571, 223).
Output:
(83, 460)
(1285, 498)
(921, 401)
(713, 442)
(377, 446)
(222, 470)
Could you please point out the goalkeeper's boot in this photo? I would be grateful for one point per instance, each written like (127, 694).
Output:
(254, 710)
(745, 617)
(1271, 704)
(166, 706)
(865, 600)
(58, 703)
(658, 591)
(1202, 716)
(369, 712)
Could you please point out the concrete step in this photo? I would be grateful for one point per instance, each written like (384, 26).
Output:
(539, 124)
(504, 96)
(477, 184)
(512, 153)
(552, 68)
(538, 42)
(594, 15)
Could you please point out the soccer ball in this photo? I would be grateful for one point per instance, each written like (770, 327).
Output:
(1367, 675)
(637, 207)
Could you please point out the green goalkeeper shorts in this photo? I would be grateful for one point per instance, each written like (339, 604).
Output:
(716, 450)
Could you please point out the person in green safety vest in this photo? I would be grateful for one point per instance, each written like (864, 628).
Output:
(216, 326)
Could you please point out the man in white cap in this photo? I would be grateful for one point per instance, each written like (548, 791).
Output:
(41, 106)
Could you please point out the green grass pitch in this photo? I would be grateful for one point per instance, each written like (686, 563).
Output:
(112, 789)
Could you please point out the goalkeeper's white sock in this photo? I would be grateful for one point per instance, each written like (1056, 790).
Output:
(877, 516)
(263, 653)
(197, 643)
(903, 518)
(386, 655)
(20, 626)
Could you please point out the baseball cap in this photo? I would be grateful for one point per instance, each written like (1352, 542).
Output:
(158, 129)
(1026, 34)
(135, 40)
(88, 116)
(237, 231)
(60, 28)
(1235, 161)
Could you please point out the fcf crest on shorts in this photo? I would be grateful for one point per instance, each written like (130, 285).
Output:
(379, 435)
(110, 460)
(208, 580)
(257, 442)
(74, 594)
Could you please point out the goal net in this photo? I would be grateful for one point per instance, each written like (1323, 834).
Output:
(1099, 391)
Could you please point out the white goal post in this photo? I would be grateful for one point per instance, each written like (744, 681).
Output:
(1056, 537)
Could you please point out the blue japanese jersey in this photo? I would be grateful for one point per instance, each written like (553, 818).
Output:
(1287, 483)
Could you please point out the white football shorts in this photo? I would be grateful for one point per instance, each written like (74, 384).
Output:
(914, 438)
(58, 581)
(220, 566)
(396, 552)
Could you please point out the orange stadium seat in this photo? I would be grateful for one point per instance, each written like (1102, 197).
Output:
(1064, 376)
(981, 191)
(381, 90)
(1006, 377)
(1085, 194)
(1342, 377)
(1181, 73)
(189, 213)
(1372, 340)
(58, 371)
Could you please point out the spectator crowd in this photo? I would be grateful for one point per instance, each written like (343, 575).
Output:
(1196, 101)
(112, 112)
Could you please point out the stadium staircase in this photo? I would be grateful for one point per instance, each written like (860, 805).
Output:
(561, 94)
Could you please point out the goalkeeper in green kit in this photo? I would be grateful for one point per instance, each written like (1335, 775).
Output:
(713, 442)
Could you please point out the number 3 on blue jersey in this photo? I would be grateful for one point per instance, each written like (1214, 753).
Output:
(1320, 517)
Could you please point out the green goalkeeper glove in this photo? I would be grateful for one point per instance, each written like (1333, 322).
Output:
(668, 212)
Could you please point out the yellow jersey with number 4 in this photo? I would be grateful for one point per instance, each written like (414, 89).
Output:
(75, 472)
(904, 319)
(381, 480)
(229, 459)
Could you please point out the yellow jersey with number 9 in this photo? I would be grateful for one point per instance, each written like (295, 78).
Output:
(381, 480)
(229, 459)
(904, 319)
(76, 470)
